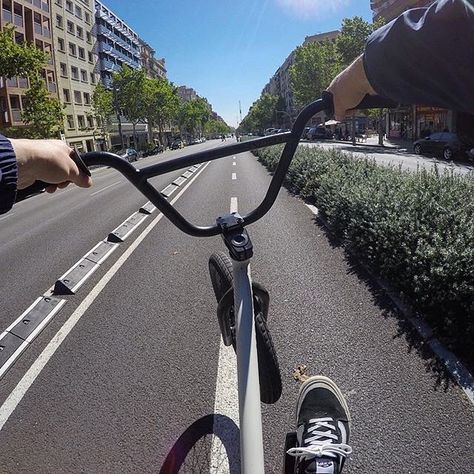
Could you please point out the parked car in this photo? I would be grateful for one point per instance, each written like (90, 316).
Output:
(270, 131)
(129, 154)
(319, 133)
(282, 130)
(177, 144)
(445, 144)
(304, 135)
(154, 150)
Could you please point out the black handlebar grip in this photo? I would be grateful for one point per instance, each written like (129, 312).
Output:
(377, 102)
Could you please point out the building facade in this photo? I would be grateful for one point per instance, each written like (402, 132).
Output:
(75, 61)
(280, 85)
(153, 67)
(389, 9)
(187, 93)
(32, 22)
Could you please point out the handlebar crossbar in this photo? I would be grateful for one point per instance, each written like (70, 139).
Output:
(139, 177)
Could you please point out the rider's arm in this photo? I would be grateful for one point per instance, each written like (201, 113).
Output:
(422, 57)
(22, 162)
(8, 175)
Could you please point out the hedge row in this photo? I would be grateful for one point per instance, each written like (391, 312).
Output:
(416, 229)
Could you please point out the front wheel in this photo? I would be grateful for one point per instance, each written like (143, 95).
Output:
(220, 270)
(417, 149)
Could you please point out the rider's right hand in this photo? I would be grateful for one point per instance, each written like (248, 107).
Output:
(349, 88)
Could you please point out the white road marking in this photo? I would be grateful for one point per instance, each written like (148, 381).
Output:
(233, 164)
(6, 217)
(233, 205)
(313, 209)
(234, 176)
(107, 187)
(39, 364)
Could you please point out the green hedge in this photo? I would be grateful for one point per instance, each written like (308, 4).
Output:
(416, 229)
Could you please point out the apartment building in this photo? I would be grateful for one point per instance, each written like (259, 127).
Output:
(153, 67)
(32, 21)
(76, 60)
(280, 85)
(117, 43)
(389, 9)
(187, 93)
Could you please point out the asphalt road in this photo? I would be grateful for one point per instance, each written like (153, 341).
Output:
(397, 157)
(140, 366)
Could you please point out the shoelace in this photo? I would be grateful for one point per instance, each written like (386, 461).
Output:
(320, 443)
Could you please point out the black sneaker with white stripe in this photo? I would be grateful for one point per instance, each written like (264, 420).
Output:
(323, 431)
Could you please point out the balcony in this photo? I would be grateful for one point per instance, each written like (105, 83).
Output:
(52, 87)
(12, 82)
(109, 65)
(37, 3)
(16, 115)
(45, 7)
(23, 83)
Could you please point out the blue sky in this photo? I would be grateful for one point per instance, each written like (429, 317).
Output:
(227, 50)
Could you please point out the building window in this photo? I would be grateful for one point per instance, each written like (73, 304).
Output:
(78, 12)
(81, 121)
(78, 97)
(61, 44)
(87, 98)
(59, 21)
(63, 69)
(82, 53)
(88, 17)
(69, 6)
(89, 37)
(92, 78)
(83, 75)
(91, 57)
(70, 27)
(75, 73)
(59, 3)
(79, 32)
(66, 95)
(70, 122)
(72, 49)
(90, 121)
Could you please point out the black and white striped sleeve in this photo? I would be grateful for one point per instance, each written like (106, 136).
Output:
(8, 175)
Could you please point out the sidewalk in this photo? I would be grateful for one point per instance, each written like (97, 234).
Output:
(387, 143)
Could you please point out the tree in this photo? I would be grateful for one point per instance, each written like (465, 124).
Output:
(216, 128)
(19, 59)
(130, 99)
(316, 64)
(351, 41)
(43, 113)
(103, 108)
(193, 115)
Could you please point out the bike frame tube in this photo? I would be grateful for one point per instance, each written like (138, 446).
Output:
(250, 415)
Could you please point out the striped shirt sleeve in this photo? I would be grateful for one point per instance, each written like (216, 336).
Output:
(8, 175)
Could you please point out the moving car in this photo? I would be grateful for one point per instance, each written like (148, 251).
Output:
(154, 151)
(319, 132)
(129, 154)
(445, 144)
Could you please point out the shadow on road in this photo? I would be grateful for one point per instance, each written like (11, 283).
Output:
(211, 444)
(388, 309)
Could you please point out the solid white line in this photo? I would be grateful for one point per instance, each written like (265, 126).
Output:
(234, 176)
(233, 205)
(107, 187)
(6, 217)
(38, 365)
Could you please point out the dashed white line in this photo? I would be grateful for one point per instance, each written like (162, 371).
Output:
(15, 397)
(234, 163)
(234, 176)
(107, 187)
(233, 205)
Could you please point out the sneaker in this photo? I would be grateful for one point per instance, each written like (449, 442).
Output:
(323, 428)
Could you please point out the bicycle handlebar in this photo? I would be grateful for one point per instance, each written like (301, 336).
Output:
(139, 177)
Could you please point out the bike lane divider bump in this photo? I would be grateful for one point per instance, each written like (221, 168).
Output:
(147, 208)
(193, 169)
(169, 190)
(179, 181)
(120, 233)
(187, 174)
(24, 329)
(234, 176)
(75, 277)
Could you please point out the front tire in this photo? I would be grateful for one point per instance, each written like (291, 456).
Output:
(220, 270)
(448, 154)
(417, 149)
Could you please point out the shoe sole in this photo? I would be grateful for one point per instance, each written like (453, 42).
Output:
(324, 382)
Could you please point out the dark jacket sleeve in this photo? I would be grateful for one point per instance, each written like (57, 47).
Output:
(8, 175)
(425, 56)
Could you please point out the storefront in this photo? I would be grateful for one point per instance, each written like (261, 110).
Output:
(433, 119)
(399, 123)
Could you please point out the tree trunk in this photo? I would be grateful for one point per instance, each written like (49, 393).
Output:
(381, 127)
(120, 130)
(150, 132)
(353, 127)
(135, 144)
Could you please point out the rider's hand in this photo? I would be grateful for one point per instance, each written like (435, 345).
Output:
(349, 88)
(49, 161)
